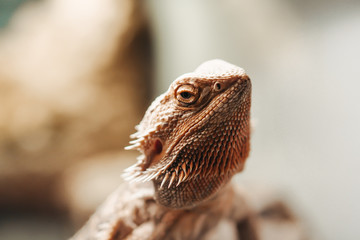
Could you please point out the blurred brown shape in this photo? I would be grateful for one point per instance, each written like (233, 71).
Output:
(244, 212)
(86, 184)
(74, 77)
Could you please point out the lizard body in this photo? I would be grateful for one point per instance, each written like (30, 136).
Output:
(192, 139)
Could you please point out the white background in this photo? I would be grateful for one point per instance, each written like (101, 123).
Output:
(303, 58)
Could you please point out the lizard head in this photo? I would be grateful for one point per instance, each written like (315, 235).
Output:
(195, 137)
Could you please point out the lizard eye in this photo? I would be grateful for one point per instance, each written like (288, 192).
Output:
(187, 94)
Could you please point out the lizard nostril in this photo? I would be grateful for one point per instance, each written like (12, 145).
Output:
(158, 146)
(218, 86)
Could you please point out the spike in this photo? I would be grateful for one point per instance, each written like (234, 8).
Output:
(237, 164)
(142, 178)
(196, 165)
(183, 166)
(139, 135)
(136, 174)
(211, 170)
(129, 177)
(137, 179)
(153, 175)
(158, 125)
(134, 135)
(164, 180)
(150, 176)
(224, 167)
(191, 166)
(134, 141)
(186, 175)
(233, 165)
(153, 129)
(132, 147)
(130, 169)
(177, 170)
(138, 140)
(206, 173)
(129, 173)
(172, 179)
(163, 169)
(181, 176)
(128, 147)
(157, 174)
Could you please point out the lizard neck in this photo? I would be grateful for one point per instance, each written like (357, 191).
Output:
(218, 200)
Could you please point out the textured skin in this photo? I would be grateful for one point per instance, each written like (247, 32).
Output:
(204, 140)
(131, 212)
(192, 139)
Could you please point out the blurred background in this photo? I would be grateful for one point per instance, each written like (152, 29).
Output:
(77, 75)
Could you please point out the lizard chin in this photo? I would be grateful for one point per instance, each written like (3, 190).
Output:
(190, 193)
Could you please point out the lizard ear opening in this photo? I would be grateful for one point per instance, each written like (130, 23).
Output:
(158, 146)
(153, 154)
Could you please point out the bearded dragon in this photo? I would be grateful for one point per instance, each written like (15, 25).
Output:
(192, 140)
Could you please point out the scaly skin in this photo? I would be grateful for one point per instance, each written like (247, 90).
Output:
(195, 137)
(192, 139)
